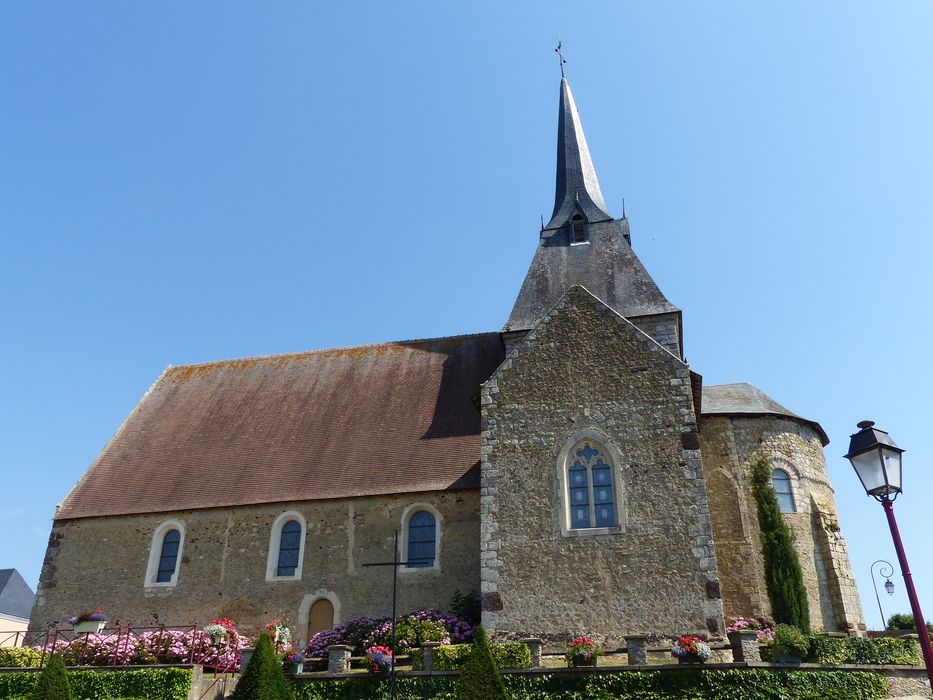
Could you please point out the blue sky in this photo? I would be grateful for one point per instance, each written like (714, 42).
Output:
(188, 182)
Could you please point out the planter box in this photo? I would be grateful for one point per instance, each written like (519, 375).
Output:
(578, 661)
(92, 626)
(784, 657)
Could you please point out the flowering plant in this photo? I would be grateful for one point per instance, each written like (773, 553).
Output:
(280, 631)
(88, 616)
(296, 658)
(764, 628)
(378, 659)
(582, 650)
(691, 648)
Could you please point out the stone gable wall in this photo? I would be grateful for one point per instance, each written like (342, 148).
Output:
(101, 562)
(586, 369)
(729, 443)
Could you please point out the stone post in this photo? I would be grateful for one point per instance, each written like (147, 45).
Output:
(745, 645)
(637, 645)
(428, 651)
(534, 646)
(338, 658)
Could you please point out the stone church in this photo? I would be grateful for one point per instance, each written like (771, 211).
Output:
(571, 468)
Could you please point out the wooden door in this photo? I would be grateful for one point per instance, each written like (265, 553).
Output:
(321, 617)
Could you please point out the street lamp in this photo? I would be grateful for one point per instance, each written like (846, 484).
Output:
(885, 571)
(877, 461)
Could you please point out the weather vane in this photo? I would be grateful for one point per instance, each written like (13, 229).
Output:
(561, 56)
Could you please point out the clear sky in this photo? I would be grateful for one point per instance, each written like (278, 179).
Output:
(184, 182)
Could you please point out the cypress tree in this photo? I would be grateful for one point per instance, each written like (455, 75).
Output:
(264, 678)
(480, 679)
(783, 576)
(52, 683)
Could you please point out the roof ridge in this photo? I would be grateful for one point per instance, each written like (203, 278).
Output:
(338, 348)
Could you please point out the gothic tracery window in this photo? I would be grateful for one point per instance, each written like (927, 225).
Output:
(590, 489)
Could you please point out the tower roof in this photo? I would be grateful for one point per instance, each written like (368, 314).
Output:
(605, 263)
(577, 187)
(744, 399)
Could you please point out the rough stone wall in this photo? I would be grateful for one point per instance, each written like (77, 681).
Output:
(664, 328)
(101, 562)
(585, 368)
(729, 443)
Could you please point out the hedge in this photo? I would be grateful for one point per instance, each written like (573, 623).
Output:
(738, 684)
(146, 684)
(864, 650)
(451, 657)
(19, 657)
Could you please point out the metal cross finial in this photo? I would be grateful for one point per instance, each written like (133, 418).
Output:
(561, 56)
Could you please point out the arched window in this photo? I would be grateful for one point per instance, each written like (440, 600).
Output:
(577, 230)
(168, 560)
(785, 496)
(286, 547)
(289, 547)
(590, 487)
(165, 552)
(422, 539)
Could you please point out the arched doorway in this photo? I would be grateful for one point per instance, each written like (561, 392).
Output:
(320, 617)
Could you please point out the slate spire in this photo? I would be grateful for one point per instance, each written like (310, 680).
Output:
(577, 187)
(596, 255)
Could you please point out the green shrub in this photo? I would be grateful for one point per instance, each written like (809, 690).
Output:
(864, 650)
(480, 679)
(452, 657)
(263, 678)
(733, 684)
(19, 657)
(52, 683)
(467, 607)
(148, 684)
(783, 577)
(829, 651)
(790, 640)
(904, 621)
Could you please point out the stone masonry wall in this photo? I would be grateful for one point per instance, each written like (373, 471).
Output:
(101, 562)
(664, 328)
(584, 368)
(729, 443)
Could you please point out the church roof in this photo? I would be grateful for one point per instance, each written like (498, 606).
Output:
(746, 399)
(16, 597)
(377, 419)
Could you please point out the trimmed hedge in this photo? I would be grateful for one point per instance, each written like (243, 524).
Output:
(864, 650)
(451, 657)
(147, 684)
(19, 657)
(739, 684)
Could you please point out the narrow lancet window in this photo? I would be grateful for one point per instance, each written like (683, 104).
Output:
(422, 539)
(785, 496)
(577, 230)
(289, 548)
(168, 559)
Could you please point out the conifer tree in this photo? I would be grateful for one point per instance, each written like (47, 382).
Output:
(480, 679)
(263, 678)
(52, 683)
(783, 576)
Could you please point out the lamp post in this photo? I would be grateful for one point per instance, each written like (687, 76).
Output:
(888, 585)
(877, 462)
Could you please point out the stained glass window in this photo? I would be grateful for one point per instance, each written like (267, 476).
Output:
(785, 497)
(289, 548)
(590, 488)
(168, 559)
(422, 539)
